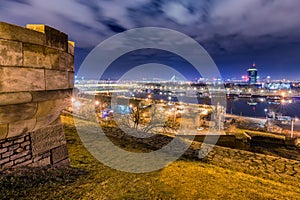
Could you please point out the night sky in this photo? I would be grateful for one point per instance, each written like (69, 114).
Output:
(235, 33)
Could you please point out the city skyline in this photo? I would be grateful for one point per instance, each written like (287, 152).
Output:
(234, 33)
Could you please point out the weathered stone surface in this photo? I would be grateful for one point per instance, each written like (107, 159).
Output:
(54, 38)
(2, 161)
(40, 57)
(8, 153)
(66, 62)
(58, 154)
(10, 53)
(47, 138)
(63, 163)
(71, 46)
(3, 150)
(52, 106)
(21, 79)
(51, 95)
(17, 33)
(32, 62)
(15, 113)
(36, 27)
(42, 162)
(45, 121)
(20, 155)
(15, 98)
(21, 127)
(56, 80)
(71, 79)
(3, 131)
(23, 161)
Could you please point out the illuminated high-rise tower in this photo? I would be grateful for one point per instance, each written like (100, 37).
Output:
(252, 74)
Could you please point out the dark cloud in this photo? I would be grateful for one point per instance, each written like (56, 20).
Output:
(228, 29)
(115, 27)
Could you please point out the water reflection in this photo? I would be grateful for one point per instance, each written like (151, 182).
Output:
(257, 107)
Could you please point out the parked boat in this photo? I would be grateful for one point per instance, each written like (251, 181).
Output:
(252, 102)
(245, 95)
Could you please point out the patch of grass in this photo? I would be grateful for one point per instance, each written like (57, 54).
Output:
(239, 133)
(183, 179)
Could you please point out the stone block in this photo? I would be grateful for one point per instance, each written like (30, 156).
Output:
(40, 57)
(71, 47)
(5, 160)
(71, 79)
(19, 150)
(41, 156)
(54, 38)
(42, 162)
(58, 154)
(7, 165)
(21, 79)
(7, 154)
(15, 113)
(63, 163)
(66, 62)
(20, 155)
(7, 143)
(23, 161)
(25, 144)
(55, 107)
(36, 27)
(47, 138)
(3, 150)
(13, 147)
(51, 95)
(56, 122)
(15, 98)
(17, 33)
(10, 53)
(49, 111)
(45, 121)
(21, 127)
(56, 80)
(3, 131)
(19, 140)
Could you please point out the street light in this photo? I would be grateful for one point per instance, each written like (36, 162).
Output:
(292, 126)
(77, 104)
(266, 110)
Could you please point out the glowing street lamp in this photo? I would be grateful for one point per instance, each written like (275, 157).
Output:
(77, 104)
(266, 110)
(292, 126)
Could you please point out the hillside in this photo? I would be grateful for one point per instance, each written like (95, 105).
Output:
(224, 174)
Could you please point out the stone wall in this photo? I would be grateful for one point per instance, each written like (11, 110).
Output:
(36, 81)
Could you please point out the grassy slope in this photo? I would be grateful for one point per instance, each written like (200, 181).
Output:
(183, 179)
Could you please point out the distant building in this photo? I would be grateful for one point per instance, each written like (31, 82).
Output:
(252, 74)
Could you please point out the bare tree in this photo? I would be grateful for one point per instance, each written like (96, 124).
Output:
(150, 118)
